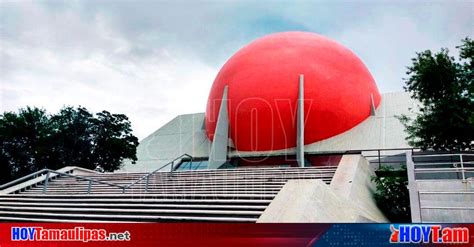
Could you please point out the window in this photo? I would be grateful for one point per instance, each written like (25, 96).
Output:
(193, 165)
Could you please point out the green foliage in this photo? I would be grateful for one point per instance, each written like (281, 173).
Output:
(32, 140)
(444, 87)
(392, 196)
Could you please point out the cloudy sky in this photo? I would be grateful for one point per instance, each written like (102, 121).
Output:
(153, 60)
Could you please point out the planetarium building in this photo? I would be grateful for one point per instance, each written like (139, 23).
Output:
(290, 96)
(294, 129)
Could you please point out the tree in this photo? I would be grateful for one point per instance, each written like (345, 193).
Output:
(392, 195)
(113, 140)
(23, 138)
(444, 87)
(72, 139)
(32, 140)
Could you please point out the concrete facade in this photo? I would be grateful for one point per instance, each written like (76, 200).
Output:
(183, 134)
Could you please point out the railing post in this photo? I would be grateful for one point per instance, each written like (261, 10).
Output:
(123, 190)
(146, 184)
(89, 187)
(45, 186)
(378, 152)
(419, 204)
(413, 191)
(462, 169)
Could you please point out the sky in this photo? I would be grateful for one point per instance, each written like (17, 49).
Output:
(154, 60)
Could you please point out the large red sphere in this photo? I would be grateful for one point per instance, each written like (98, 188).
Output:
(262, 80)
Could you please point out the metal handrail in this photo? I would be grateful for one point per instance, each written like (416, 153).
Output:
(442, 163)
(46, 181)
(147, 176)
(461, 162)
(442, 155)
(445, 192)
(22, 179)
(47, 177)
(447, 208)
(91, 180)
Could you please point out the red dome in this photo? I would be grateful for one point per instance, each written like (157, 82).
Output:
(262, 81)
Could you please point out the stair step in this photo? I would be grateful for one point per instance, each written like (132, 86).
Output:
(143, 218)
(128, 211)
(177, 193)
(197, 181)
(243, 170)
(131, 205)
(202, 180)
(149, 195)
(138, 200)
(38, 219)
(167, 190)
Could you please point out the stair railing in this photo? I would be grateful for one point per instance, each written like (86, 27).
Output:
(47, 172)
(89, 187)
(146, 177)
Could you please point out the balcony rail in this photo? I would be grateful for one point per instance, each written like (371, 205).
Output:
(444, 163)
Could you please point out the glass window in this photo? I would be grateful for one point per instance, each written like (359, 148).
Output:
(202, 165)
(193, 165)
(228, 165)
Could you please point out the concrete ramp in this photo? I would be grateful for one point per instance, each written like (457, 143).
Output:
(304, 201)
(349, 197)
(352, 181)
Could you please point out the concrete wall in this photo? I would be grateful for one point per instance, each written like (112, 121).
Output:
(352, 181)
(347, 199)
(183, 134)
(305, 201)
(439, 198)
(446, 200)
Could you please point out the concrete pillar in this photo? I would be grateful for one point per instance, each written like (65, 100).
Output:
(300, 124)
(372, 105)
(218, 154)
(413, 190)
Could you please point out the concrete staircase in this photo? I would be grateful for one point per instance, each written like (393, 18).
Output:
(226, 195)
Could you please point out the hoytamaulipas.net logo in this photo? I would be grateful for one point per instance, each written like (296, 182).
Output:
(72, 234)
(435, 234)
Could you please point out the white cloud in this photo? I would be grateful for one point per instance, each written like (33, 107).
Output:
(155, 60)
(150, 90)
(386, 45)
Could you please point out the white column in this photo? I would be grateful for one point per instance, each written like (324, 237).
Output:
(300, 124)
(218, 154)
